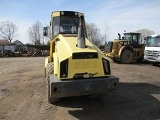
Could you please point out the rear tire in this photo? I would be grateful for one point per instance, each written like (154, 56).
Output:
(50, 70)
(126, 57)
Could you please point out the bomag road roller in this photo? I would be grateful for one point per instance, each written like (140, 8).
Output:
(75, 65)
(127, 49)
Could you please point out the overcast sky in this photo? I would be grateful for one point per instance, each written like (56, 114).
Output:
(118, 15)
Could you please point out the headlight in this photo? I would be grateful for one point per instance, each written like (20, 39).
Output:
(106, 66)
(64, 69)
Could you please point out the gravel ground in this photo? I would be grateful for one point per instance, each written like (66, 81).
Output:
(23, 94)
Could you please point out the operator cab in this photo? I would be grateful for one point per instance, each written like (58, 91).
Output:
(133, 38)
(66, 22)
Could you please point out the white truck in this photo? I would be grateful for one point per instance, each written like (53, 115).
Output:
(152, 49)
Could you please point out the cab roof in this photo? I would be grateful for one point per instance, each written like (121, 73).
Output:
(66, 13)
(131, 33)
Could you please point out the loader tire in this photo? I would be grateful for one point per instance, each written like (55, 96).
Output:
(50, 70)
(126, 57)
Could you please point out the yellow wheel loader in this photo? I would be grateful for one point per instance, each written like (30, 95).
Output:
(127, 49)
(75, 66)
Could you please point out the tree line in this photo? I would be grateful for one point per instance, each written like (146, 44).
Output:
(8, 31)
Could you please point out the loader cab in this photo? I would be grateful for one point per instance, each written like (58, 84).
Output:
(133, 38)
(66, 22)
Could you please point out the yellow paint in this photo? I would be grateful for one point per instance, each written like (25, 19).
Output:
(85, 64)
(56, 64)
(55, 14)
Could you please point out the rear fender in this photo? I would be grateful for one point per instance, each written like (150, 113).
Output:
(124, 48)
(120, 50)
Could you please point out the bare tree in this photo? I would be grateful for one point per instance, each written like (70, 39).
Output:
(106, 33)
(145, 33)
(94, 34)
(8, 30)
(35, 33)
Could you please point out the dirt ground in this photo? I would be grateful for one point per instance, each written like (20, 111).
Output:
(23, 94)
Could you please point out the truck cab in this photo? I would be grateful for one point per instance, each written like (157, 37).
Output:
(152, 49)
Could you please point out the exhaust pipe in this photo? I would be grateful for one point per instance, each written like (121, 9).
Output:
(119, 36)
(81, 37)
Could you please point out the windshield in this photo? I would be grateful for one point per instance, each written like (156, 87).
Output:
(66, 25)
(127, 37)
(153, 42)
(69, 24)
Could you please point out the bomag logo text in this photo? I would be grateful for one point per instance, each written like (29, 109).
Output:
(85, 64)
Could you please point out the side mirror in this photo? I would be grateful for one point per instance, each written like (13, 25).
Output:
(45, 31)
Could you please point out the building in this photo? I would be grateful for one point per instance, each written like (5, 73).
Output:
(6, 45)
(20, 46)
